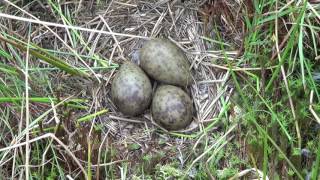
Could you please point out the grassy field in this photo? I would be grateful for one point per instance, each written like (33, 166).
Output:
(256, 90)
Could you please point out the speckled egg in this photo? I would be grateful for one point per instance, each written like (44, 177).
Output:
(171, 107)
(165, 62)
(131, 89)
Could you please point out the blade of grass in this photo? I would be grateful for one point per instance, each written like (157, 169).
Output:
(8, 69)
(260, 129)
(97, 58)
(280, 14)
(265, 156)
(91, 116)
(89, 172)
(218, 142)
(38, 100)
(48, 58)
(55, 34)
(81, 69)
(301, 54)
(48, 136)
(284, 76)
(215, 41)
(316, 167)
(311, 79)
(5, 54)
(27, 104)
(289, 46)
(69, 27)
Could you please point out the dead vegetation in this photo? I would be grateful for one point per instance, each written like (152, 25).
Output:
(98, 36)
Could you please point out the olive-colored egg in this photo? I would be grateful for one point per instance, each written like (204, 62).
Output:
(165, 62)
(171, 107)
(131, 89)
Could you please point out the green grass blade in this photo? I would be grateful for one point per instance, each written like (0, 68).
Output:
(289, 46)
(265, 156)
(37, 100)
(48, 58)
(301, 55)
(91, 116)
(260, 129)
(315, 169)
(5, 54)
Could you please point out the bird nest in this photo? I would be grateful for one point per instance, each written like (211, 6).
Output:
(182, 23)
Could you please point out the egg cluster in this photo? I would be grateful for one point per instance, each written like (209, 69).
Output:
(131, 89)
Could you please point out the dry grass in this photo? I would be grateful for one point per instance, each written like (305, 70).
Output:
(98, 36)
(114, 33)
